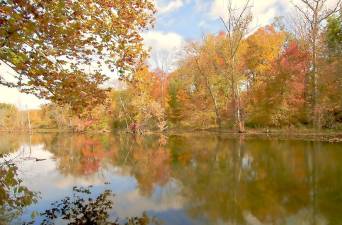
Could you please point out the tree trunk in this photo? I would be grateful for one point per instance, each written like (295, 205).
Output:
(239, 124)
(315, 109)
(207, 83)
(217, 113)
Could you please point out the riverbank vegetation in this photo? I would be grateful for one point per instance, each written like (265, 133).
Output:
(281, 76)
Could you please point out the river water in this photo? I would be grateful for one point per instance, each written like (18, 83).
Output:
(175, 179)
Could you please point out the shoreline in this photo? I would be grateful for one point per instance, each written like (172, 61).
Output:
(333, 136)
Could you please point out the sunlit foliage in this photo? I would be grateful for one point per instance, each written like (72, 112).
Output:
(59, 48)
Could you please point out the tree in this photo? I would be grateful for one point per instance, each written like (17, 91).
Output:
(146, 110)
(59, 49)
(285, 88)
(236, 27)
(201, 64)
(174, 105)
(330, 70)
(204, 65)
(8, 116)
(333, 35)
(263, 48)
(314, 13)
(275, 66)
(196, 86)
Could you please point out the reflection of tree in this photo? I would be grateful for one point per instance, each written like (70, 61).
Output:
(147, 159)
(228, 180)
(82, 209)
(9, 143)
(81, 154)
(14, 196)
(209, 183)
(325, 177)
(235, 180)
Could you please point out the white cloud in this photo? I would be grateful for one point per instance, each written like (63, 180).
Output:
(164, 48)
(329, 3)
(22, 101)
(131, 202)
(170, 6)
(162, 40)
(202, 5)
(264, 11)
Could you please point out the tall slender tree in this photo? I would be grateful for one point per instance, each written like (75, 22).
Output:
(236, 25)
(314, 13)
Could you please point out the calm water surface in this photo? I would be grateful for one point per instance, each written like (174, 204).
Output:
(179, 179)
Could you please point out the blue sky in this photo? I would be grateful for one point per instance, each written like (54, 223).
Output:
(179, 21)
(190, 20)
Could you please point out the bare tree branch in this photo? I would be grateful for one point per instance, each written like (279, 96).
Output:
(335, 10)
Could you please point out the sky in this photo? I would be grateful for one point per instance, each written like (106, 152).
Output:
(179, 21)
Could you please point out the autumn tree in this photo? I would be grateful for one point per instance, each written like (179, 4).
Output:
(314, 13)
(174, 105)
(197, 87)
(236, 26)
(263, 48)
(187, 105)
(276, 66)
(204, 60)
(9, 117)
(61, 49)
(145, 108)
(330, 78)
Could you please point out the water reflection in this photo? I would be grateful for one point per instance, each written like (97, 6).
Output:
(188, 179)
(14, 195)
(81, 208)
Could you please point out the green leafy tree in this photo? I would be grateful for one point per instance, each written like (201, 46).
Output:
(334, 35)
(330, 78)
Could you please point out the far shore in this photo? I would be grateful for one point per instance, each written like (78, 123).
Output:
(327, 135)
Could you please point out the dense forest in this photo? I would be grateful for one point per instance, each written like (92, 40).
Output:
(287, 74)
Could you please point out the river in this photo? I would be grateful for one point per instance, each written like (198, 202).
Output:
(177, 179)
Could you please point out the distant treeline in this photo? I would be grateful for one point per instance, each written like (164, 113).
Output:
(269, 83)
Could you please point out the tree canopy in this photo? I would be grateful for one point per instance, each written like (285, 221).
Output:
(61, 49)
